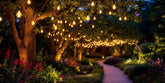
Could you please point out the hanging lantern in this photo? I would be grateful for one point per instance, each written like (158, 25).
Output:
(33, 23)
(58, 8)
(19, 14)
(125, 18)
(114, 6)
(92, 3)
(94, 18)
(110, 13)
(100, 11)
(88, 18)
(120, 18)
(28, 2)
(1, 19)
(42, 31)
(52, 18)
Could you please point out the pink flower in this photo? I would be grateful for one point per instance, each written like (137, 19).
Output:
(16, 61)
(8, 54)
(40, 69)
(36, 66)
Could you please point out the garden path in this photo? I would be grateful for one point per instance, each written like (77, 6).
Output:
(113, 74)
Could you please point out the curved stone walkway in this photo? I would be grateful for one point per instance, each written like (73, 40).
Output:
(113, 74)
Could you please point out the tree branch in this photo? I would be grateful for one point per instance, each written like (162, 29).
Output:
(10, 16)
(47, 14)
(41, 6)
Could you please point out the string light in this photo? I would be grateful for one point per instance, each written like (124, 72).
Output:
(88, 18)
(28, 2)
(42, 31)
(93, 26)
(55, 27)
(69, 35)
(80, 25)
(100, 11)
(52, 18)
(49, 33)
(81, 21)
(1, 19)
(61, 33)
(125, 18)
(110, 13)
(74, 22)
(120, 18)
(92, 3)
(33, 23)
(63, 30)
(94, 18)
(114, 6)
(65, 21)
(71, 10)
(79, 18)
(58, 8)
(19, 14)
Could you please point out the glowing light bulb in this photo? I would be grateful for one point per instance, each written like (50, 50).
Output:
(52, 18)
(125, 18)
(63, 30)
(58, 21)
(33, 23)
(69, 35)
(49, 34)
(72, 26)
(61, 34)
(93, 26)
(58, 8)
(110, 13)
(94, 18)
(79, 18)
(80, 21)
(74, 22)
(65, 21)
(71, 10)
(88, 18)
(18, 14)
(114, 6)
(28, 2)
(100, 11)
(1, 19)
(93, 3)
(120, 18)
(55, 27)
(42, 31)
(80, 25)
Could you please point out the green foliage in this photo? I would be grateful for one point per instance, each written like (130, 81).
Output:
(48, 74)
(136, 70)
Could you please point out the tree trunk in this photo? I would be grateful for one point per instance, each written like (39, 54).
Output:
(52, 46)
(80, 53)
(75, 51)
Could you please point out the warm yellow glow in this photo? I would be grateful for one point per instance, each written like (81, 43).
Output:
(110, 13)
(101, 31)
(69, 35)
(52, 18)
(33, 23)
(42, 31)
(28, 2)
(92, 3)
(61, 34)
(93, 26)
(74, 22)
(49, 33)
(19, 14)
(58, 8)
(114, 6)
(63, 30)
(88, 18)
(61, 21)
(65, 21)
(94, 18)
(100, 11)
(79, 18)
(72, 26)
(81, 21)
(80, 25)
(1, 19)
(71, 10)
(120, 18)
(125, 18)
(55, 27)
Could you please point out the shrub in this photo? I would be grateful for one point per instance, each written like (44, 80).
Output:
(94, 56)
(136, 70)
(112, 60)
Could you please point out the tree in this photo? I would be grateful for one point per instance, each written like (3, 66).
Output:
(33, 11)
